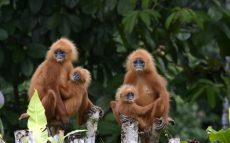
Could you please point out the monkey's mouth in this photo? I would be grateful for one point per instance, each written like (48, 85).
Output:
(130, 96)
(76, 76)
(59, 55)
(139, 64)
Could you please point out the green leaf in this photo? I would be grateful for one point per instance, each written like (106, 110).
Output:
(36, 50)
(124, 7)
(145, 4)
(215, 14)
(129, 21)
(35, 5)
(71, 3)
(211, 95)
(183, 36)
(90, 7)
(27, 67)
(54, 21)
(4, 2)
(64, 28)
(170, 20)
(18, 55)
(111, 4)
(225, 30)
(3, 34)
(37, 119)
(145, 17)
(222, 136)
(74, 22)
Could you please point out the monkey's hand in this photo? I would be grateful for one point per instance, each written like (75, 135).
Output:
(95, 109)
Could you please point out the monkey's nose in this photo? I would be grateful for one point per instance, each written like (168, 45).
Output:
(130, 96)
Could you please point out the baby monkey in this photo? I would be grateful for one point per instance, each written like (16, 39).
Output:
(125, 104)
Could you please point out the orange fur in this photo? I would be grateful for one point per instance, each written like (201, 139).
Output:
(129, 108)
(50, 76)
(150, 86)
(75, 94)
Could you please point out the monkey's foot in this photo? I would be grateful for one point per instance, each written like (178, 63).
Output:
(146, 132)
(23, 116)
(124, 119)
(95, 109)
(171, 121)
(159, 124)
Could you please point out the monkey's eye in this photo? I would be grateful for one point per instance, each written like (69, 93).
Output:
(139, 64)
(130, 96)
(76, 76)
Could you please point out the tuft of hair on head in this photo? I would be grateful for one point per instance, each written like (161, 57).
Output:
(74, 52)
(139, 53)
(74, 55)
(124, 88)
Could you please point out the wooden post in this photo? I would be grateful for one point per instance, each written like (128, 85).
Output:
(22, 136)
(129, 131)
(92, 122)
(174, 140)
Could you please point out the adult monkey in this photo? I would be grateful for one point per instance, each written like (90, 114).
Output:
(151, 86)
(52, 75)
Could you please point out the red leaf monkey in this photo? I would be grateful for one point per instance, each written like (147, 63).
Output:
(52, 74)
(75, 96)
(126, 97)
(151, 86)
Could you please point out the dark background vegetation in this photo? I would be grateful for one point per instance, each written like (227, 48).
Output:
(189, 40)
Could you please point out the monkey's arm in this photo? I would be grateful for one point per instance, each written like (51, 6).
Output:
(66, 90)
(141, 110)
(72, 105)
(61, 109)
(113, 105)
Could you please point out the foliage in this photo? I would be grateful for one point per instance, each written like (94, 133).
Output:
(188, 39)
(223, 136)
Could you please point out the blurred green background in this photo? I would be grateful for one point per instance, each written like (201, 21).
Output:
(189, 39)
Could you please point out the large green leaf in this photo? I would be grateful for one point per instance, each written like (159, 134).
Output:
(37, 119)
(223, 136)
(145, 17)
(130, 21)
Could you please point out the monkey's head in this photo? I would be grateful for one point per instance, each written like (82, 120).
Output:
(62, 50)
(140, 60)
(126, 93)
(81, 76)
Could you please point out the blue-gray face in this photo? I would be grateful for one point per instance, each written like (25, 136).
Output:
(139, 64)
(130, 96)
(76, 76)
(59, 55)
